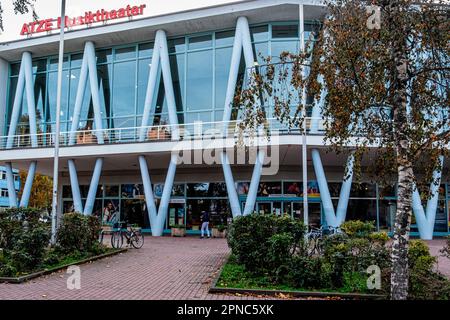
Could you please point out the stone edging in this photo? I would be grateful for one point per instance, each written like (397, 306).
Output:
(30, 276)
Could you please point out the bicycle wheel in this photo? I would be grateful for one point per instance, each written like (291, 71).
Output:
(117, 240)
(137, 240)
(100, 237)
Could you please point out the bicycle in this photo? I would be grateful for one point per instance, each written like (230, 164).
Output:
(315, 237)
(133, 236)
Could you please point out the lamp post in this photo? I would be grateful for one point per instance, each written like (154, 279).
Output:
(58, 123)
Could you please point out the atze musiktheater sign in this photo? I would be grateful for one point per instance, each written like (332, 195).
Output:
(87, 19)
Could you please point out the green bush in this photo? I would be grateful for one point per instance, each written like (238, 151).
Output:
(251, 238)
(78, 233)
(357, 228)
(24, 239)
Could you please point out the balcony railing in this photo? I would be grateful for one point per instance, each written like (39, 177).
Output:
(159, 133)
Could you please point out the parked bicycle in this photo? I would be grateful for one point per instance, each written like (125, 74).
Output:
(132, 235)
(315, 237)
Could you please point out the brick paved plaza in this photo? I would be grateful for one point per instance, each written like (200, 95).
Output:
(165, 268)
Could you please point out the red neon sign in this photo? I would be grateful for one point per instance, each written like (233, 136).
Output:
(89, 18)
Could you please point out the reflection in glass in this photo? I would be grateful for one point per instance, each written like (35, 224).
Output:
(199, 80)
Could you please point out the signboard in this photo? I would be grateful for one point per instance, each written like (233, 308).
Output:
(89, 18)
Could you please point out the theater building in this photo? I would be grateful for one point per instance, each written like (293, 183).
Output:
(139, 92)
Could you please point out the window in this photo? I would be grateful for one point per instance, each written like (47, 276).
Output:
(2, 175)
(284, 31)
(200, 42)
(4, 193)
(199, 80)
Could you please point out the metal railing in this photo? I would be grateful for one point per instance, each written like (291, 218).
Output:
(158, 133)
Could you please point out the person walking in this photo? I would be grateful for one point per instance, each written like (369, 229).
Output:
(205, 224)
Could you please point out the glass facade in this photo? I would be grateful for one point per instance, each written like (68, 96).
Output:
(368, 202)
(199, 64)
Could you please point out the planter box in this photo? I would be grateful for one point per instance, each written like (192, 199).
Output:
(158, 134)
(178, 232)
(87, 137)
(219, 234)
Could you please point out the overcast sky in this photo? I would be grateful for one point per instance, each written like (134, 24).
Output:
(51, 9)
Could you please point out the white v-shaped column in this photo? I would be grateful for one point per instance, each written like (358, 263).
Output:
(24, 82)
(160, 62)
(75, 186)
(26, 189)
(242, 42)
(425, 218)
(88, 66)
(333, 219)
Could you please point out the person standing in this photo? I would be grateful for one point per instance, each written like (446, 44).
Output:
(205, 224)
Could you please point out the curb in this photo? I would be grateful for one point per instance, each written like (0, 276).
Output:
(21, 279)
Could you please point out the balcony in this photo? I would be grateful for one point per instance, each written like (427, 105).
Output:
(159, 133)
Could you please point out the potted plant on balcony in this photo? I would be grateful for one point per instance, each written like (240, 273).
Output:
(85, 135)
(178, 230)
(159, 132)
(219, 231)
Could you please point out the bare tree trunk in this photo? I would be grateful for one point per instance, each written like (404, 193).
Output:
(399, 253)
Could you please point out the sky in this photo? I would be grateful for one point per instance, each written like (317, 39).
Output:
(51, 9)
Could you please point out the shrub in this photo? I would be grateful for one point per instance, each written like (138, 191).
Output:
(24, 239)
(357, 228)
(78, 233)
(251, 239)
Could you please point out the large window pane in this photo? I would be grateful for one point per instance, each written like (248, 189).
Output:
(199, 80)
(285, 31)
(50, 112)
(223, 60)
(200, 42)
(259, 33)
(145, 50)
(225, 38)
(279, 47)
(143, 73)
(124, 89)
(126, 53)
(176, 45)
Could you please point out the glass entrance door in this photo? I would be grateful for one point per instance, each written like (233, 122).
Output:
(297, 210)
(314, 214)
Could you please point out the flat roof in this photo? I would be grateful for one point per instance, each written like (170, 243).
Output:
(175, 24)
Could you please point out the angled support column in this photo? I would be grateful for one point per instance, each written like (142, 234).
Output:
(28, 185)
(254, 184)
(88, 65)
(29, 87)
(77, 203)
(242, 43)
(24, 81)
(160, 58)
(157, 217)
(231, 187)
(4, 77)
(333, 220)
(11, 187)
(88, 207)
(79, 98)
(93, 79)
(75, 186)
(425, 218)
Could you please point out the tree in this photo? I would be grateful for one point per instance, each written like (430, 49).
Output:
(41, 191)
(384, 91)
(20, 6)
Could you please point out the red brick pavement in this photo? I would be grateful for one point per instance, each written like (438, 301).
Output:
(165, 268)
